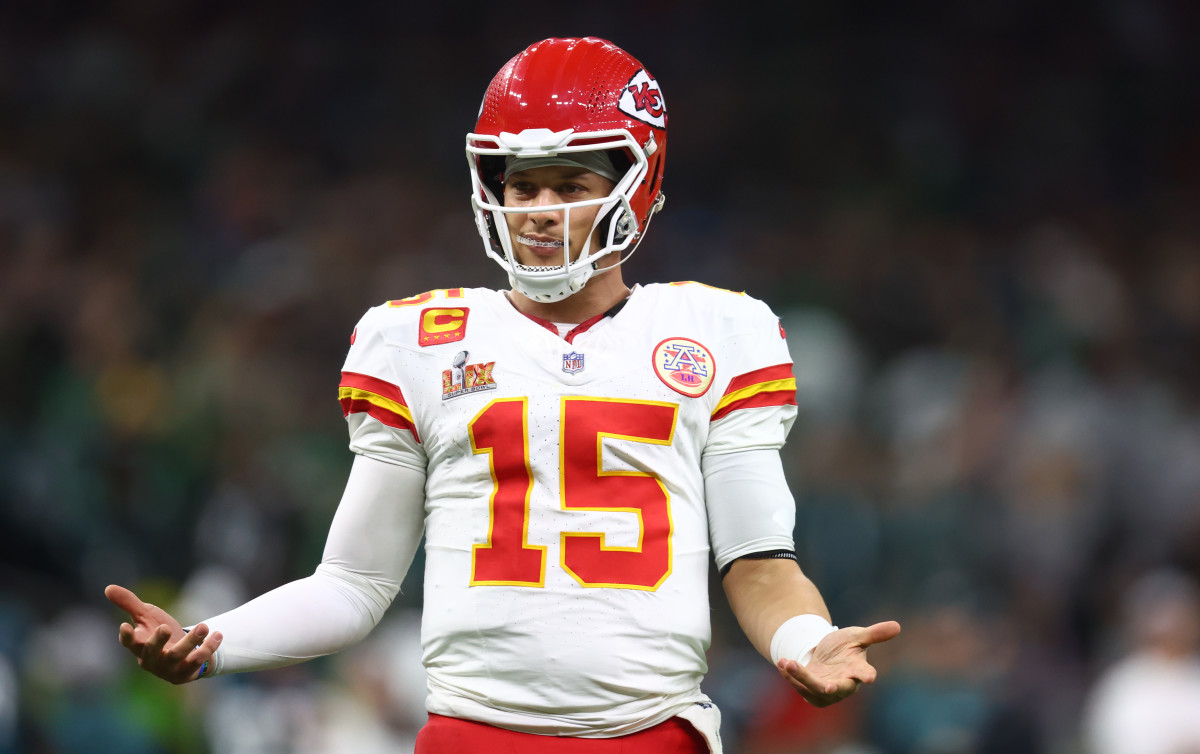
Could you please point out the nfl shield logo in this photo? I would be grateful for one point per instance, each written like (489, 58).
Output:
(572, 362)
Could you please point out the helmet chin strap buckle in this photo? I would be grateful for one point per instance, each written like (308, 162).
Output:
(624, 225)
(651, 145)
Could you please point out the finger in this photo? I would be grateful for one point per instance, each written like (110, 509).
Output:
(204, 652)
(209, 647)
(867, 676)
(154, 645)
(877, 633)
(125, 635)
(846, 687)
(858, 669)
(795, 671)
(813, 696)
(188, 642)
(125, 599)
(804, 691)
(188, 669)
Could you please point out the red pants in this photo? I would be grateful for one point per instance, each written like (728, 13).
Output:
(450, 735)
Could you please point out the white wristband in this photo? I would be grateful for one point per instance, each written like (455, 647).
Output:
(798, 637)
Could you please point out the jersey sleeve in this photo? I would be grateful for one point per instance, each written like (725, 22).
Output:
(381, 423)
(757, 405)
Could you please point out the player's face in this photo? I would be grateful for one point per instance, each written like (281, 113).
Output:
(537, 237)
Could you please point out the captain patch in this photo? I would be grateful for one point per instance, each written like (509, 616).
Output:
(442, 325)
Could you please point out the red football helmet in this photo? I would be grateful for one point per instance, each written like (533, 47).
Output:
(557, 98)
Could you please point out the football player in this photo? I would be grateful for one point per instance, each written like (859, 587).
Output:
(573, 450)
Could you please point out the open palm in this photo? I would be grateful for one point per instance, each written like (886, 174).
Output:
(159, 642)
(838, 665)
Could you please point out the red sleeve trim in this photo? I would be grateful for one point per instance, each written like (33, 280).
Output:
(758, 400)
(373, 385)
(769, 386)
(361, 394)
(766, 374)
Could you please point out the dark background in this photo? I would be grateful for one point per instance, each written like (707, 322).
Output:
(978, 222)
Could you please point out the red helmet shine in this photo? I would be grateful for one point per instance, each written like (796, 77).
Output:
(557, 98)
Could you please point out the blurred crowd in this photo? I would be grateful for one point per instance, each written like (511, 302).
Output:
(979, 223)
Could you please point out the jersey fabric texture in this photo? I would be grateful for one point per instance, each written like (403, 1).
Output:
(567, 538)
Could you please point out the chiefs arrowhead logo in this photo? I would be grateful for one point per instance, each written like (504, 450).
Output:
(642, 99)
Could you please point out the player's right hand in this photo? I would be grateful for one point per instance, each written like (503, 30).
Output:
(159, 642)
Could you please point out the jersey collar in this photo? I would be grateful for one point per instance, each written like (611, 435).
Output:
(582, 326)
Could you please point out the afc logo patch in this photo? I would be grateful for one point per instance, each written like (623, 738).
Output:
(685, 366)
(442, 325)
(642, 99)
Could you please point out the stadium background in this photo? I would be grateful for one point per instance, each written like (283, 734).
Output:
(978, 221)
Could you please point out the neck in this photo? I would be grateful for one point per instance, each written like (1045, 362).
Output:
(602, 292)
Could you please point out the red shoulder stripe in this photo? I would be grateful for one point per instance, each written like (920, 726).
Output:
(362, 394)
(757, 400)
(373, 385)
(766, 374)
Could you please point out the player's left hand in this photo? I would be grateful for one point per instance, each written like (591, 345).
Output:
(838, 665)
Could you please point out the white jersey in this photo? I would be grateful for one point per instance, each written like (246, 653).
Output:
(567, 538)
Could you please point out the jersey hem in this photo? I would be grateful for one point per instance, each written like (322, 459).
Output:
(452, 705)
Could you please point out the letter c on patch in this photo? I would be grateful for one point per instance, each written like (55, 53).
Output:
(443, 325)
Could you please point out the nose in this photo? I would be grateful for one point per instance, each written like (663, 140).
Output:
(545, 197)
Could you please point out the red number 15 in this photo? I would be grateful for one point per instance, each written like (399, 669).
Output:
(501, 431)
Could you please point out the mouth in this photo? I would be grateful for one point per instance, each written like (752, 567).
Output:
(541, 249)
(537, 243)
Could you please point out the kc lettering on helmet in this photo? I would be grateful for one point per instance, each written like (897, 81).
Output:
(647, 99)
(642, 99)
